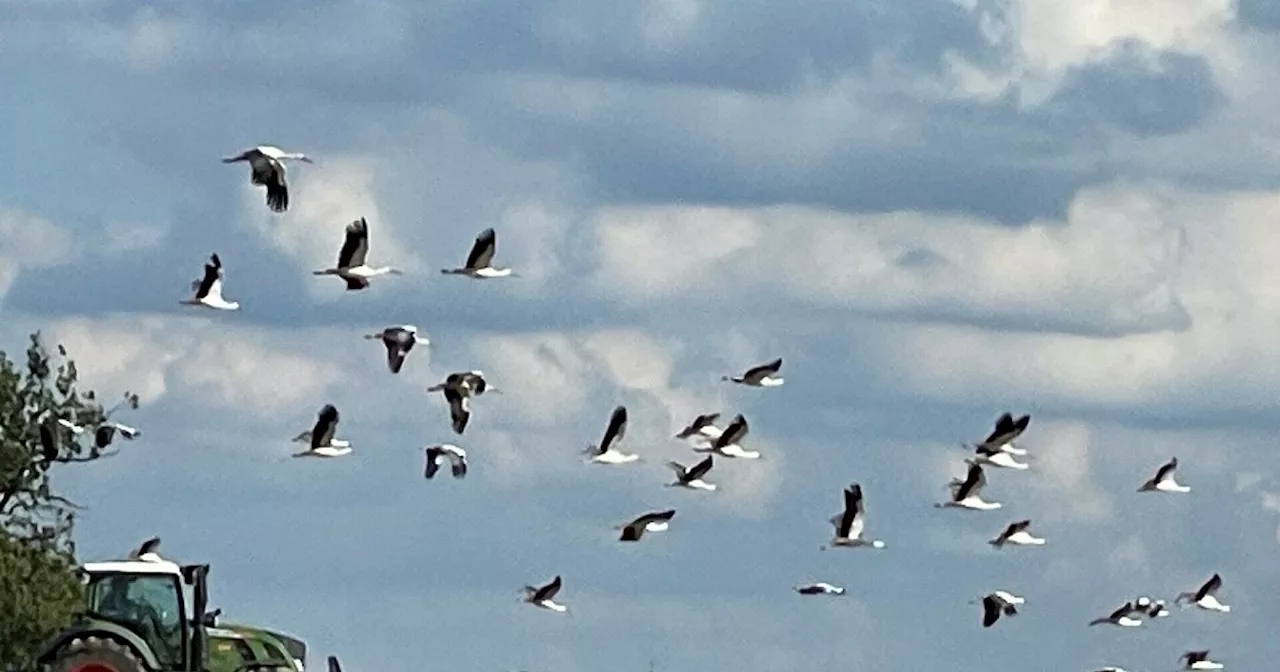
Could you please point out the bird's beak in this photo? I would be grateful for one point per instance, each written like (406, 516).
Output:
(306, 159)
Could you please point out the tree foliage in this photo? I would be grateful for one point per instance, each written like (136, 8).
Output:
(39, 590)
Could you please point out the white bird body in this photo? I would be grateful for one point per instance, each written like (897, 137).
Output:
(966, 494)
(479, 260)
(352, 266)
(1205, 597)
(208, 289)
(764, 375)
(1163, 481)
(820, 588)
(850, 522)
(999, 458)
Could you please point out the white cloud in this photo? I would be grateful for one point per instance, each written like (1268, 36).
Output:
(29, 242)
(223, 365)
(1111, 261)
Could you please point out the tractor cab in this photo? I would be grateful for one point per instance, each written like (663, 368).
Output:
(146, 598)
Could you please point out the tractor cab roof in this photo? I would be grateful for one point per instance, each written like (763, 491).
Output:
(132, 567)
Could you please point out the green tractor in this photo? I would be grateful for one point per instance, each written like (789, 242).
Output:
(136, 621)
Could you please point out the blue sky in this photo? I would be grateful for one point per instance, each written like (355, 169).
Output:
(933, 210)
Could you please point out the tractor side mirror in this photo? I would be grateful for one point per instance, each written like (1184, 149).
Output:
(210, 620)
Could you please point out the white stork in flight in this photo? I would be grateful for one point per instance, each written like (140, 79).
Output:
(967, 493)
(607, 452)
(819, 588)
(654, 521)
(764, 375)
(702, 427)
(729, 442)
(267, 169)
(320, 437)
(1164, 481)
(691, 477)
(438, 453)
(849, 523)
(1001, 438)
(997, 603)
(1016, 533)
(479, 261)
(1205, 596)
(398, 341)
(351, 259)
(1198, 660)
(208, 289)
(542, 596)
(147, 551)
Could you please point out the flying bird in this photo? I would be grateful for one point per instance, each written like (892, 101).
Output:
(966, 494)
(457, 389)
(759, 376)
(473, 383)
(351, 259)
(606, 452)
(147, 551)
(436, 454)
(996, 457)
(208, 289)
(267, 169)
(479, 260)
(997, 603)
(1198, 660)
(541, 596)
(691, 477)
(320, 437)
(1121, 617)
(399, 341)
(729, 442)
(1017, 534)
(1206, 596)
(655, 521)
(819, 588)
(849, 523)
(1006, 430)
(1164, 481)
(702, 426)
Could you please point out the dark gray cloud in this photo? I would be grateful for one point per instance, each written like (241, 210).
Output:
(1141, 93)
(1264, 14)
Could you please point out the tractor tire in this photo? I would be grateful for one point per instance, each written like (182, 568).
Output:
(95, 654)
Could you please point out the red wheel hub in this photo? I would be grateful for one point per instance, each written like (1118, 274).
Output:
(94, 667)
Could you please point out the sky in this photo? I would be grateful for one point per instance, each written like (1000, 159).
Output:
(934, 211)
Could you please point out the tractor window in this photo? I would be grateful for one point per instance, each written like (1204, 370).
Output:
(275, 653)
(150, 606)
